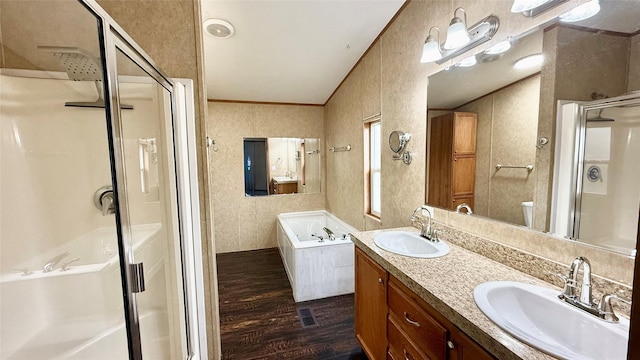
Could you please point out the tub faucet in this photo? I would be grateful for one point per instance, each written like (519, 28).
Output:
(51, 264)
(104, 201)
(425, 229)
(318, 236)
(329, 233)
(464, 206)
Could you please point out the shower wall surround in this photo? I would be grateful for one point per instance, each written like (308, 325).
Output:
(248, 223)
(403, 98)
(69, 136)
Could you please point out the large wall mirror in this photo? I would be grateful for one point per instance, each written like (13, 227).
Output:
(279, 166)
(554, 144)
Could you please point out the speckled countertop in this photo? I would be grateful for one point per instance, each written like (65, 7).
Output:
(447, 284)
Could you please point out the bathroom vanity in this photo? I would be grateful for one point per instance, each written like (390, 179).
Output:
(409, 327)
(411, 308)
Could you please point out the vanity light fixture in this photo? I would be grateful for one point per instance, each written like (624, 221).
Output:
(524, 5)
(533, 8)
(457, 34)
(582, 12)
(529, 61)
(499, 48)
(431, 50)
(479, 33)
(468, 62)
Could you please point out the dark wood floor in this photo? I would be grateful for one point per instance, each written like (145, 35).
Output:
(259, 318)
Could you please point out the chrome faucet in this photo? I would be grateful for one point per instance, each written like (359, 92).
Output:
(585, 302)
(425, 229)
(318, 236)
(329, 233)
(585, 291)
(464, 206)
(51, 264)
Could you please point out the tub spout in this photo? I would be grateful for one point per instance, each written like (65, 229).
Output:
(329, 233)
(51, 264)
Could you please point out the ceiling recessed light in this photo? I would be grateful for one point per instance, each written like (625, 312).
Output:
(581, 12)
(529, 61)
(218, 28)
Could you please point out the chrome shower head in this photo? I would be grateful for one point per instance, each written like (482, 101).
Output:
(80, 65)
(599, 117)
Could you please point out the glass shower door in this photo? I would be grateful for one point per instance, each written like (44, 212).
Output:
(148, 198)
(609, 201)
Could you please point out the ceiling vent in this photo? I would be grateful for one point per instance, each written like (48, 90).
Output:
(218, 28)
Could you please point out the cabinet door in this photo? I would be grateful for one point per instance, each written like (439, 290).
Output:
(462, 347)
(371, 306)
(464, 175)
(464, 130)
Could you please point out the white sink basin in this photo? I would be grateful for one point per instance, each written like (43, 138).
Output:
(410, 244)
(537, 317)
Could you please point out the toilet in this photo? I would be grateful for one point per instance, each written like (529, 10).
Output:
(527, 210)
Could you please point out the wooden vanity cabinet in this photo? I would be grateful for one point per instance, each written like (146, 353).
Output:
(370, 306)
(283, 188)
(452, 159)
(414, 329)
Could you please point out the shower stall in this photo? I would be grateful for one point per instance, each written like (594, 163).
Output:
(99, 222)
(596, 193)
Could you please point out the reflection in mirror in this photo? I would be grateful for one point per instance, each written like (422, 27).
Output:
(604, 210)
(277, 166)
(586, 62)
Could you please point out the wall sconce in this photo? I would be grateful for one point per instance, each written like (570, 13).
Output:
(457, 35)
(533, 8)
(477, 34)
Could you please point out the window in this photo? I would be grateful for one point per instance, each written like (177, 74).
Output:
(373, 154)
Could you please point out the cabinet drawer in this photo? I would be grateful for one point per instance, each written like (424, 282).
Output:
(420, 327)
(400, 347)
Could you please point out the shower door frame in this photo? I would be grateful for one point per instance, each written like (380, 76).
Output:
(580, 145)
(112, 39)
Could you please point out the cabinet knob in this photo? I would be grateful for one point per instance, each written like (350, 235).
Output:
(450, 345)
(380, 280)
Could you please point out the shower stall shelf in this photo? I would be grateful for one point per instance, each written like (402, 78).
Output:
(83, 110)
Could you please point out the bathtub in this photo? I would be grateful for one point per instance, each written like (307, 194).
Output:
(73, 311)
(316, 269)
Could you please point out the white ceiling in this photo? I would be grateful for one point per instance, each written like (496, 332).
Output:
(295, 51)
